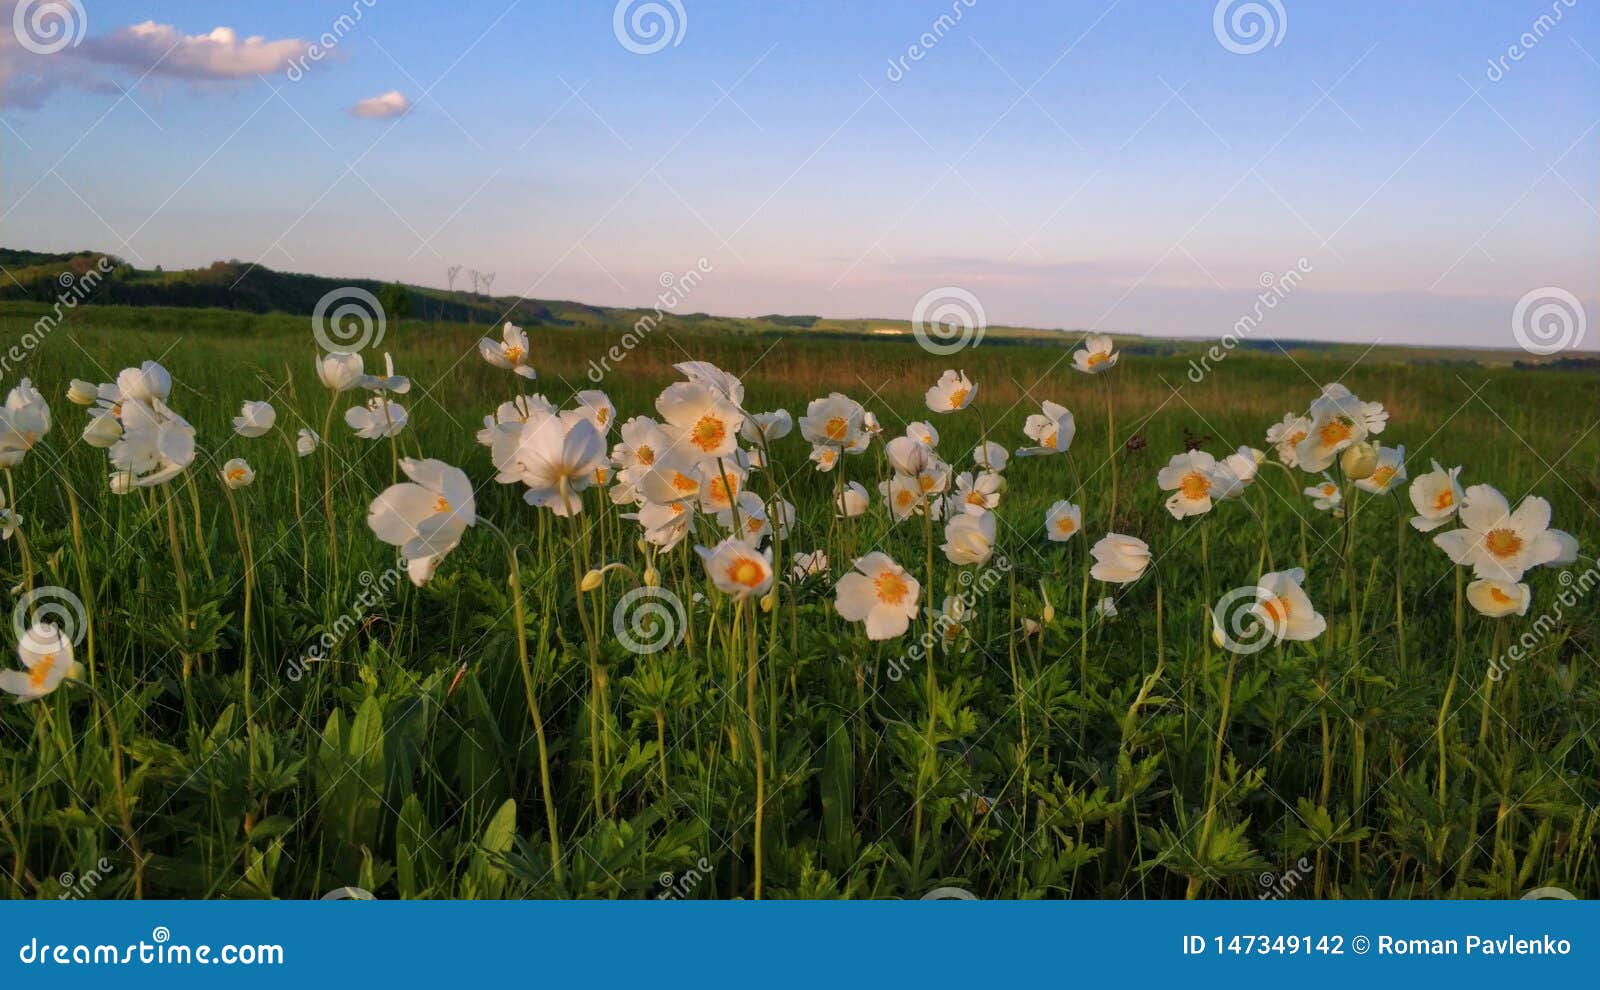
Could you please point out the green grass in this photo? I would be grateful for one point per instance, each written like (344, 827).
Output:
(1079, 762)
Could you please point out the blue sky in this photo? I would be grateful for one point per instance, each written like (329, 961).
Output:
(1097, 164)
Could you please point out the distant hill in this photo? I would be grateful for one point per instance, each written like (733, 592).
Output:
(37, 276)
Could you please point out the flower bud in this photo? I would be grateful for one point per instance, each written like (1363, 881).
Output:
(1359, 460)
(768, 600)
(591, 581)
(652, 577)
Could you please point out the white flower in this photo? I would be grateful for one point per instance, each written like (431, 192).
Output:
(835, 421)
(809, 564)
(379, 418)
(306, 442)
(1051, 429)
(990, 456)
(24, 419)
(643, 441)
(737, 568)
(701, 421)
(1244, 463)
(853, 501)
(1284, 607)
(339, 372)
(977, 495)
(969, 539)
(254, 419)
(1325, 494)
(1498, 543)
(952, 619)
(1062, 521)
(1436, 496)
(824, 457)
(82, 393)
(512, 413)
(155, 446)
(237, 473)
(904, 496)
(556, 458)
(147, 383)
(1096, 356)
(707, 374)
(763, 428)
(923, 433)
(510, 351)
(1285, 437)
(1390, 471)
(46, 655)
(1497, 599)
(1106, 608)
(1119, 559)
(1195, 478)
(953, 392)
(102, 431)
(388, 381)
(595, 406)
(1338, 419)
(426, 516)
(880, 593)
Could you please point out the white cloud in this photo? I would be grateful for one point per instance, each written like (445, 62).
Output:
(163, 49)
(391, 104)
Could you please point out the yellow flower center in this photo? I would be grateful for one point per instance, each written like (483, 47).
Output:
(645, 455)
(442, 505)
(1195, 486)
(890, 587)
(236, 474)
(1277, 610)
(925, 482)
(827, 457)
(746, 571)
(602, 416)
(837, 428)
(720, 490)
(904, 497)
(1498, 596)
(514, 354)
(1065, 526)
(754, 524)
(1049, 441)
(976, 498)
(683, 483)
(958, 397)
(1098, 358)
(1444, 500)
(40, 671)
(708, 433)
(1382, 476)
(1335, 432)
(1502, 542)
(1329, 491)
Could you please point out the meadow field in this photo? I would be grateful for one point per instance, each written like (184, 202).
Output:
(267, 705)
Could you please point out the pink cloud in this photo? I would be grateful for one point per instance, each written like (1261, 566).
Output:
(390, 104)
